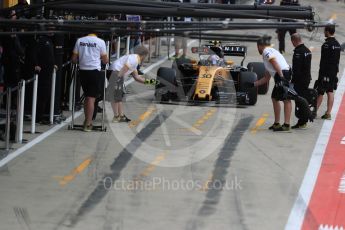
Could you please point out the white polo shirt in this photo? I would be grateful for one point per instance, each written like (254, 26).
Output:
(89, 50)
(131, 61)
(270, 53)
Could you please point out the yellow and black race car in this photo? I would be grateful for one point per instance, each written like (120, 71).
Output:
(211, 79)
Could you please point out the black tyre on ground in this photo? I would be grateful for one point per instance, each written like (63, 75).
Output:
(245, 78)
(259, 69)
(166, 89)
(185, 76)
(303, 112)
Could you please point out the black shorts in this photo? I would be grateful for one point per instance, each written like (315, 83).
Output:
(91, 82)
(328, 85)
(278, 92)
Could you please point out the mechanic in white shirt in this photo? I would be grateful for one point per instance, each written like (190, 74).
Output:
(276, 66)
(89, 52)
(122, 68)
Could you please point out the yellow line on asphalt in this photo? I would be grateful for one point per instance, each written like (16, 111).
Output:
(333, 17)
(259, 123)
(78, 170)
(192, 129)
(203, 119)
(142, 117)
(206, 185)
(151, 167)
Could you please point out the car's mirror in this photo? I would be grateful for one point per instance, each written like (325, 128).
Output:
(229, 62)
(193, 61)
(200, 50)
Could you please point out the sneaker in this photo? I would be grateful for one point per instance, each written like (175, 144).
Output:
(116, 119)
(123, 118)
(326, 116)
(87, 128)
(283, 128)
(299, 126)
(274, 126)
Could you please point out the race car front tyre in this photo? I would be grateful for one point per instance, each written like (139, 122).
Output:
(245, 78)
(166, 89)
(259, 69)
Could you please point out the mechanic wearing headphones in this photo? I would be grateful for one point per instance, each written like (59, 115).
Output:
(90, 51)
(301, 77)
(329, 68)
(276, 66)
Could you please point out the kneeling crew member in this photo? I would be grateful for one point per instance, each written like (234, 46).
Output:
(122, 68)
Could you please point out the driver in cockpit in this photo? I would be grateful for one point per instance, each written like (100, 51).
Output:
(217, 58)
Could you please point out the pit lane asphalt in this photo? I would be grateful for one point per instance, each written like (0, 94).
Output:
(165, 169)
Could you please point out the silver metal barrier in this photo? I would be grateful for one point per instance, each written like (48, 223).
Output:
(21, 118)
(20, 111)
(149, 57)
(159, 46)
(104, 88)
(169, 39)
(70, 98)
(21, 88)
(34, 104)
(156, 46)
(118, 48)
(52, 98)
(128, 42)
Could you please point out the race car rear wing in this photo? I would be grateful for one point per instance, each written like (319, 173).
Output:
(235, 50)
(228, 50)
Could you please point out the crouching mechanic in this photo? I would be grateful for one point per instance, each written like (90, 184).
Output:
(276, 66)
(122, 68)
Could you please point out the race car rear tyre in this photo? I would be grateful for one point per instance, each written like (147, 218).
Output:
(245, 78)
(166, 88)
(259, 69)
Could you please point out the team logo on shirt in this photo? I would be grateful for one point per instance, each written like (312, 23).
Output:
(267, 55)
(88, 44)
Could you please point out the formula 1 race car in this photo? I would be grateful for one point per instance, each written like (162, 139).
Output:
(205, 81)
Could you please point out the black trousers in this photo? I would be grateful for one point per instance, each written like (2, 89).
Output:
(43, 95)
(281, 38)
